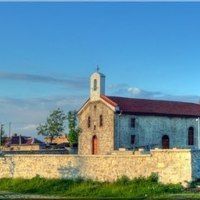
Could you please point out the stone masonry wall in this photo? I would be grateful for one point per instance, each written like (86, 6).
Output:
(196, 164)
(150, 129)
(173, 166)
(105, 133)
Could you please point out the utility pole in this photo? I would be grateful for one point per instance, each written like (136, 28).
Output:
(9, 132)
(1, 133)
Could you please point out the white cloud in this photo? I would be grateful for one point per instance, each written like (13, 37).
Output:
(135, 92)
(30, 127)
(73, 82)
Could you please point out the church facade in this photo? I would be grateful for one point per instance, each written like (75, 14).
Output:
(109, 123)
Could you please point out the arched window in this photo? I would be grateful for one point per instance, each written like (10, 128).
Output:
(101, 120)
(191, 136)
(89, 122)
(132, 139)
(165, 142)
(94, 145)
(95, 84)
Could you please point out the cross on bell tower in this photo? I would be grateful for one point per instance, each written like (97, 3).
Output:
(98, 68)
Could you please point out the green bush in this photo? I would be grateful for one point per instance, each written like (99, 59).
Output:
(153, 177)
(123, 180)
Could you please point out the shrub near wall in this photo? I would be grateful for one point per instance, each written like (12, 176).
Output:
(123, 187)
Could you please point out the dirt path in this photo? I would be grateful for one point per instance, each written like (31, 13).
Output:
(10, 195)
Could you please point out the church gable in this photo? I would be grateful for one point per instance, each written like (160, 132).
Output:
(96, 121)
(102, 99)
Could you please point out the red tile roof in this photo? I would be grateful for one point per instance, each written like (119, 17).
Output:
(19, 139)
(108, 100)
(154, 107)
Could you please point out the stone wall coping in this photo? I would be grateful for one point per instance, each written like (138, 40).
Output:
(98, 156)
(74, 156)
(195, 150)
(170, 150)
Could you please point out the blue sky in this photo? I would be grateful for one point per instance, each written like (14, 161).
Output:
(48, 51)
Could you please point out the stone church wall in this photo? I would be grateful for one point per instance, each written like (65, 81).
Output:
(196, 164)
(150, 129)
(105, 133)
(172, 166)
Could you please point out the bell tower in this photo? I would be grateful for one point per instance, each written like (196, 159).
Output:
(97, 85)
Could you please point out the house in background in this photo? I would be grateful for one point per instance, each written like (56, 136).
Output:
(58, 140)
(23, 143)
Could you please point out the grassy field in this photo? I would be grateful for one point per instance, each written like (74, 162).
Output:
(148, 188)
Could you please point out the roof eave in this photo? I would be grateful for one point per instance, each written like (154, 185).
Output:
(157, 114)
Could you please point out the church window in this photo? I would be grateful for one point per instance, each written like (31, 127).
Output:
(132, 139)
(89, 122)
(95, 84)
(165, 142)
(94, 145)
(101, 120)
(133, 122)
(191, 136)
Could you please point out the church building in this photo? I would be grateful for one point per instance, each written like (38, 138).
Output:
(111, 122)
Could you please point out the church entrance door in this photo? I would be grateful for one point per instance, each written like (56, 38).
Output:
(94, 145)
(165, 142)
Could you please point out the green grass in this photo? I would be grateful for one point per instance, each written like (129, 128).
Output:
(123, 187)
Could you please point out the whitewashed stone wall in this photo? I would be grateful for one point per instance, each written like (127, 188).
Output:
(172, 166)
(196, 164)
(150, 129)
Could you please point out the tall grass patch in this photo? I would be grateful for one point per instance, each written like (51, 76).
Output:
(123, 187)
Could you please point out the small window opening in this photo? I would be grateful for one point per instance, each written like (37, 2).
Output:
(89, 122)
(95, 84)
(133, 122)
(132, 139)
(191, 136)
(101, 120)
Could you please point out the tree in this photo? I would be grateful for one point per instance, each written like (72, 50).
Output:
(54, 125)
(73, 129)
